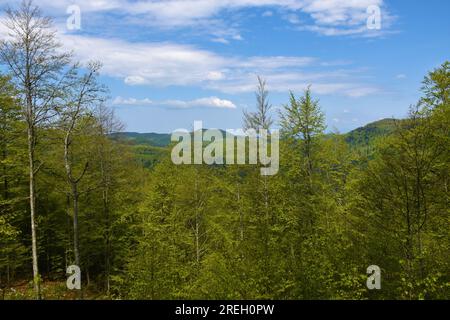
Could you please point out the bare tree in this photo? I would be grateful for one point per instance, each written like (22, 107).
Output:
(80, 98)
(32, 55)
(260, 119)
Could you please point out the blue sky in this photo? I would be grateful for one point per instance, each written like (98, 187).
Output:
(169, 63)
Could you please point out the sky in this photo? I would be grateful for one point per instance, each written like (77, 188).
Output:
(168, 63)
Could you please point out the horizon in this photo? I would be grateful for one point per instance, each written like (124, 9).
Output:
(327, 131)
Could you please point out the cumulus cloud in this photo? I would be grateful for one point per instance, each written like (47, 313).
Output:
(221, 40)
(328, 17)
(209, 102)
(158, 64)
(166, 64)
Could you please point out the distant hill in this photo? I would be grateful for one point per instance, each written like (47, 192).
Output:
(364, 136)
(359, 137)
(152, 139)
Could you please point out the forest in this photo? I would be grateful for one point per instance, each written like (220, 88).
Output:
(77, 190)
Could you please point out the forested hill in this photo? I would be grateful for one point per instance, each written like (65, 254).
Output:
(153, 139)
(359, 137)
(364, 136)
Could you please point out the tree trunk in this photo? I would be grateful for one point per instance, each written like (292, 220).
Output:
(76, 246)
(8, 272)
(5, 177)
(107, 240)
(36, 278)
(69, 235)
(76, 243)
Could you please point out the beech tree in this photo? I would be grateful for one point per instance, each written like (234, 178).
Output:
(79, 101)
(31, 53)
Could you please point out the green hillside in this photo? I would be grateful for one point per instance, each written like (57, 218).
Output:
(153, 139)
(364, 136)
(150, 148)
(359, 137)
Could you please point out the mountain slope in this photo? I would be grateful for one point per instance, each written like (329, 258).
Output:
(364, 136)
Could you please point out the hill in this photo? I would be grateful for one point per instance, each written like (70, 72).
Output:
(364, 136)
(152, 139)
(360, 137)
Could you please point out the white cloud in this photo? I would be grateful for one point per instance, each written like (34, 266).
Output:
(276, 62)
(221, 40)
(168, 64)
(135, 80)
(328, 17)
(337, 12)
(361, 91)
(323, 83)
(210, 102)
(401, 76)
(158, 64)
(333, 31)
(215, 75)
(132, 102)
(293, 18)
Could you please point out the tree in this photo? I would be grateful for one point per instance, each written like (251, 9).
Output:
(404, 193)
(11, 155)
(260, 119)
(262, 214)
(79, 100)
(436, 87)
(108, 156)
(32, 55)
(310, 207)
(301, 121)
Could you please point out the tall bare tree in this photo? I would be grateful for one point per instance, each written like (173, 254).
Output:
(261, 118)
(80, 99)
(32, 55)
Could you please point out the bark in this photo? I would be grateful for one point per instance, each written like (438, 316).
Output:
(5, 177)
(76, 245)
(107, 240)
(36, 277)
